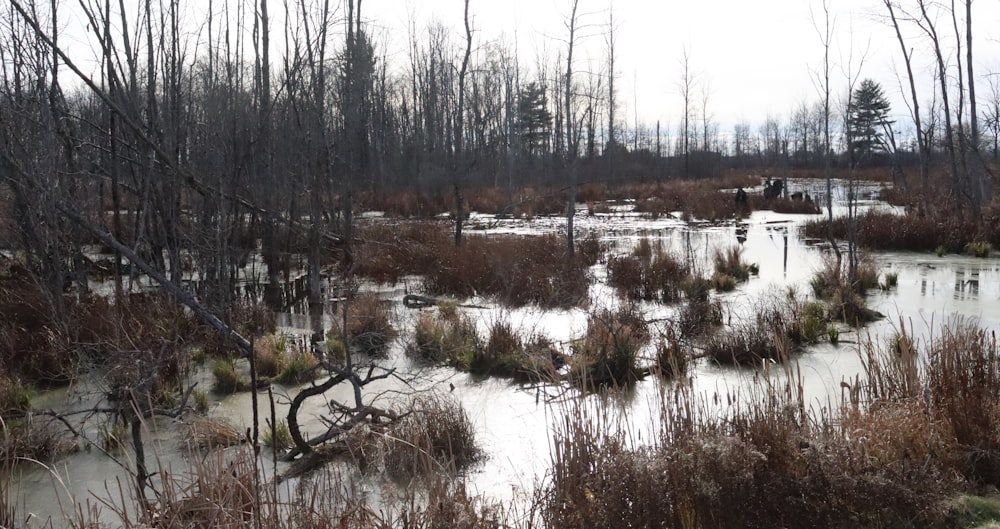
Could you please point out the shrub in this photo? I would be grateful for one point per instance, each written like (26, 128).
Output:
(436, 434)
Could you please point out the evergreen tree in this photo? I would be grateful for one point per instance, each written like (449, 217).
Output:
(534, 119)
(867, 117)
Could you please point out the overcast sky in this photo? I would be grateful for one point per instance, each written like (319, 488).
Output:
(757, 58)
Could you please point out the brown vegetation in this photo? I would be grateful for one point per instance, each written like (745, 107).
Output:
(608, 353)
(896, 455)
(648, 273)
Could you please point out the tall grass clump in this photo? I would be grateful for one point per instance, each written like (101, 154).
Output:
(608, 354)
(436, 434)
(962, 375)
(300, 365)
(444, 336)
(32, 438)
(979, 249)
(750, 340)
(648, 273)
(697, 317)
(729, 262)
(15, 396)
(758, 457)
(226, 378)
(272, 354)
(369, 326)
(844, 297)
(514, 270)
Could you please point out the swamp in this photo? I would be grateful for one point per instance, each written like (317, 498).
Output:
(322, 284)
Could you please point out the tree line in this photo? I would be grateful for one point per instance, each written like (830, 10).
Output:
(198, 141)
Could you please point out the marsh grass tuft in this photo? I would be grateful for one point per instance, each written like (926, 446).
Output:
(226, 377)
(979, 249)
(277, 436)
(369, 326)
(729, 261)
(444, 336)
(209, 433)
(648, 273)
(436, 434)
(609, 352)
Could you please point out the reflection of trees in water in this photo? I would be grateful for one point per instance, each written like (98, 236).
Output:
(966, 288)
(966, 283)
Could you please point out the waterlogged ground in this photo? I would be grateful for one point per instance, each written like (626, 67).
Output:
(514, 422)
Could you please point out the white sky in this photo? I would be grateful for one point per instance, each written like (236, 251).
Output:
(758, 58)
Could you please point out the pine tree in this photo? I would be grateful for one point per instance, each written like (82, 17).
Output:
(867, 118)
(534, 119)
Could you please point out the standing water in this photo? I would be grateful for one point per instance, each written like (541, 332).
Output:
(513, 421)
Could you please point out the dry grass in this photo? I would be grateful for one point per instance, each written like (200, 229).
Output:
(513, 270)
(766, 335)
(369, 325)
(443, 336)
(207, 433)
(763, 459)
(435, 435)
(609, 352)
(915, 232)
(38, 438)
(729, 262)
(648, 273)
(844, 298)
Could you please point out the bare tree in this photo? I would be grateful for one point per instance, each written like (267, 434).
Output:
(458, 164)
(685, 86)
(923, 146)
(610, 40)
(572, 138)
